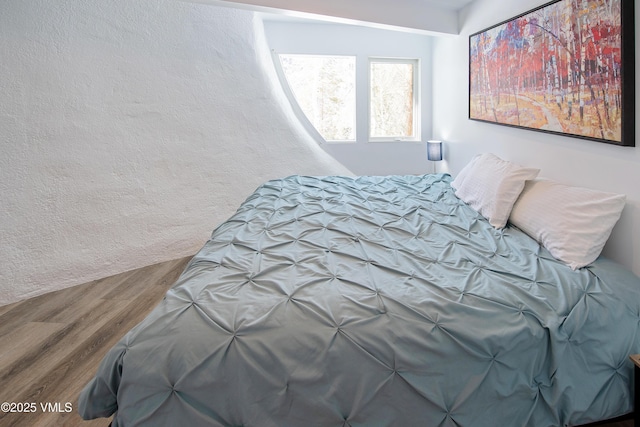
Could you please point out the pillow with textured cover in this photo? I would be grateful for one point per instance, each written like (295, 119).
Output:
(573, 223)
(462, 175)
(491, 186)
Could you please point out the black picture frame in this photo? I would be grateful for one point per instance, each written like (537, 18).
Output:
(566, 67)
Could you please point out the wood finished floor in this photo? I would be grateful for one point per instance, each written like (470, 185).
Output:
(51, 345)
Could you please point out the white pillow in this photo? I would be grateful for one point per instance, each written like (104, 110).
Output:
(462, 175)
(492, 185)
(573, 223)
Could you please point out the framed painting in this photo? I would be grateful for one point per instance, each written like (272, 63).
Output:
(567, 67)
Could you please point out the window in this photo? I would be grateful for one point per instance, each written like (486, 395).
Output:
(393, 99)
(324, 87)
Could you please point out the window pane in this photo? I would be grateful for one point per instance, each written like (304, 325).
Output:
(324, 87)
(392, 100)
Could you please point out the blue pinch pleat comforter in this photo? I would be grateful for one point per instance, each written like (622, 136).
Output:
(374, 301)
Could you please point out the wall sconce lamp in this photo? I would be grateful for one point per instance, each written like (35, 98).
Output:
(434, 152)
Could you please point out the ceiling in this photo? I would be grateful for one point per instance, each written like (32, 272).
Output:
(434, 17)
(447, 4)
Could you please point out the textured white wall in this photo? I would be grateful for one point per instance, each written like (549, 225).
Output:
(129, 130)
(569, 160)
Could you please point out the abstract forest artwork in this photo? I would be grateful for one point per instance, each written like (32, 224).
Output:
(566, 67)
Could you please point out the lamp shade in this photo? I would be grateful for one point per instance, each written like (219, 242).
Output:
(434, 150)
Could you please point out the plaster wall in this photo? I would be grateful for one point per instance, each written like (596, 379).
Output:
(569, 160)
(129, 130)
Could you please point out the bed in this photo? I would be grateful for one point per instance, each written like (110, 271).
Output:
(375, 301)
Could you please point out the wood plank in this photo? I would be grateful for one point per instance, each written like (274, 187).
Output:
(37, 362)
(163, 275)
(45, 307)
(66, 379)
(56, 366)
(25, 339)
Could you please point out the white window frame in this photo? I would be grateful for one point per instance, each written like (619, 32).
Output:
(299, 112)
(363, 94)
(416, 100)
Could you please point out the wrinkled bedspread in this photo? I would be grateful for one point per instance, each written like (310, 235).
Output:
(374, 301)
